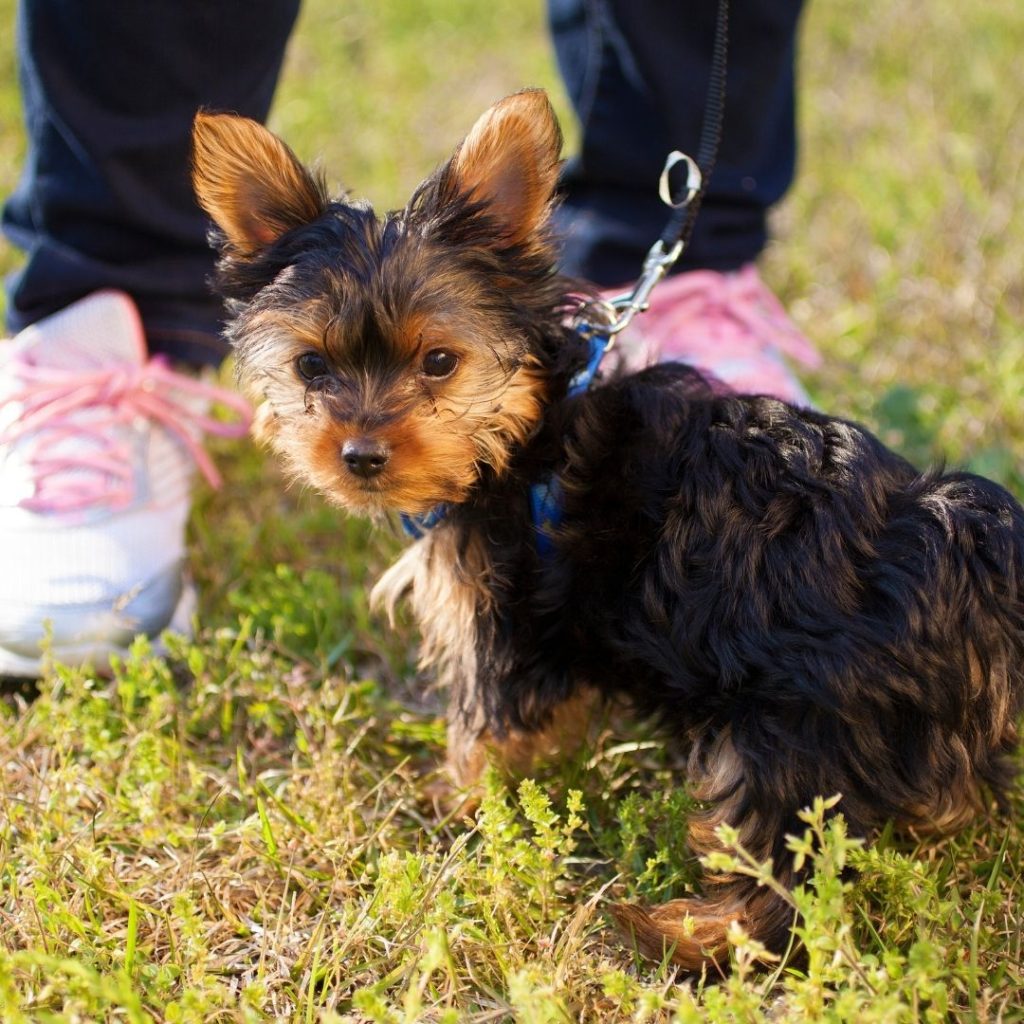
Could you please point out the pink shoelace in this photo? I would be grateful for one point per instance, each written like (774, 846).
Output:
(59, 405)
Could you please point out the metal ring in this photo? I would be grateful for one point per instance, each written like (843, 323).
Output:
(693, 179)
(608, 307)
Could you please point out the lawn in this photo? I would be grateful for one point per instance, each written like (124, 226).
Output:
(243, 830)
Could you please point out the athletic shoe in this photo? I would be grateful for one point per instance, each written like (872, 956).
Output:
(98, 443)
(728, 324)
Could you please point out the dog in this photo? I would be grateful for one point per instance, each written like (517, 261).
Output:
(795, 605)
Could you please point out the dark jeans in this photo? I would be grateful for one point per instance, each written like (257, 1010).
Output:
(110, 88)
(637, 73)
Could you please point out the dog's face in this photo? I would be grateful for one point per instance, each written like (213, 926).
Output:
(395, 356)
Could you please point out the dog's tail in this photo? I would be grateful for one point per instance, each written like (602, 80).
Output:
(693, 933)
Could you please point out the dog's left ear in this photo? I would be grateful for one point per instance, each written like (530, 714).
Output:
(510, 161)
(250, 182)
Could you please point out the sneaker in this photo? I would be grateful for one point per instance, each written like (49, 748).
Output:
(727, 324)
(98, 443)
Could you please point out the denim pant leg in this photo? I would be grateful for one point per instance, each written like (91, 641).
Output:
(110, 88)
(637, 73)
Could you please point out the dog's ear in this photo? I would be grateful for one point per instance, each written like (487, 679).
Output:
(250, 182)
(510, 160)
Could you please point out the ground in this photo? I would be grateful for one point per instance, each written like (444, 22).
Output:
(242, 831)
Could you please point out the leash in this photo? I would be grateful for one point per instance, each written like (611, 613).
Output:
(618, 312)
(685, 201)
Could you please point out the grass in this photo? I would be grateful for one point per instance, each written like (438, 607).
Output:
(243, 830)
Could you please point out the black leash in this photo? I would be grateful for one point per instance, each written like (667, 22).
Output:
(680, 225)
(685, 200)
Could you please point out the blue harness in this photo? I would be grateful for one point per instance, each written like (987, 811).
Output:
(546, 495)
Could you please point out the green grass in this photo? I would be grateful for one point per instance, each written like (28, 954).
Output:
(244, 830)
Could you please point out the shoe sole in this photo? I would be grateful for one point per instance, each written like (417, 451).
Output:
(97, 654)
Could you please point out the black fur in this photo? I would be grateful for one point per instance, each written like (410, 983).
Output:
(734, 566)
(734, 561)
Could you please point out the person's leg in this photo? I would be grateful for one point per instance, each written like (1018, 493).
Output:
(110, 89)
(100, 434)
(637, 73)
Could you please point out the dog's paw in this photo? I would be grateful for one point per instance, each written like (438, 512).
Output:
(448, 801)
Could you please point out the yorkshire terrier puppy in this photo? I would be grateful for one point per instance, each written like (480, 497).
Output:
(796, 605)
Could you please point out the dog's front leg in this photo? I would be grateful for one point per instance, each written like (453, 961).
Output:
(467, 754)
(478, 737)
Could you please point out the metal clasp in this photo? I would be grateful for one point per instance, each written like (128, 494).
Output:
(621, 309)
(694, 180)
(656, 265)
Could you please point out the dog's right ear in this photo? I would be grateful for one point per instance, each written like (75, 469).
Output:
(250, 182)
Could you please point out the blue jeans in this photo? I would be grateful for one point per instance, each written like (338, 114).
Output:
(110, 88)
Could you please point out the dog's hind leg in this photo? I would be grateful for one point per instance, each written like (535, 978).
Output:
(968, 767)
(693, 932)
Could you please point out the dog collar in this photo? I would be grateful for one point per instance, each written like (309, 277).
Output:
(545, 509)
(417, 526)
(546, 495)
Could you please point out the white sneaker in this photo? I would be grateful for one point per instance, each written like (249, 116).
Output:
(97, 448)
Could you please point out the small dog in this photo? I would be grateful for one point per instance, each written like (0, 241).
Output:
(794, 603)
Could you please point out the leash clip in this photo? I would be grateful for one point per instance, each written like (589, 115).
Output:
(658, 261)
(656, 265)
(621, 309)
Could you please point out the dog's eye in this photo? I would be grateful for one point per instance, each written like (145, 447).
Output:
(439, 362)
(311, 365)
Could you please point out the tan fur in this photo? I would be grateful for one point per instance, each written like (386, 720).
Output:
(445, 590)
(446, 593)
(693, 933)
(250, 182)
(960, 800)
(949, 811)
(438, 439)
(995, 685)
(518, 754)
(716, 778)
(510, 160)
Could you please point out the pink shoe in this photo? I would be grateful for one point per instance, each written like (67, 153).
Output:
(728, 324)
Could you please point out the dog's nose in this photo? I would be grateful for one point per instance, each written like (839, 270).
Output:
(364, 456)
